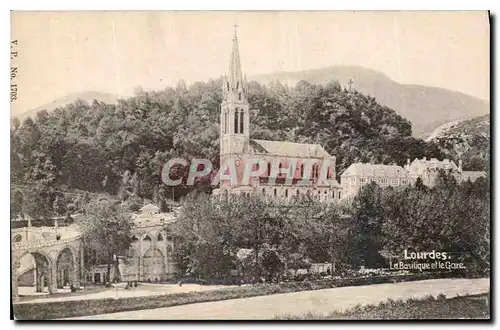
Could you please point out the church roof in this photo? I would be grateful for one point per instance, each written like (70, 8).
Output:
(379, 170)
(288, 149)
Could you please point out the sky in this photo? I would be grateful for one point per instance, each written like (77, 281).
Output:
(61, 53)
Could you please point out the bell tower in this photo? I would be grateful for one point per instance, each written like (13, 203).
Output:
(234, 116)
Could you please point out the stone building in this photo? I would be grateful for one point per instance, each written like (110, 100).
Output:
(360, 174)
(45, 258)
(428, 170)
(149, 258)
(298, 160)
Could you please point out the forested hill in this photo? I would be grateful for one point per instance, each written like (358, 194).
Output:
(425, 106)
(468, 140)
(121, 148)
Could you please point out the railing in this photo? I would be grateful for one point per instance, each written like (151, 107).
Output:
(43, 243)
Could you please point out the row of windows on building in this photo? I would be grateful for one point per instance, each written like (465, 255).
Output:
(291, 192)
(353, 180)
(314, 170)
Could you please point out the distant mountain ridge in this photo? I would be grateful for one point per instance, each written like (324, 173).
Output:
(426, 107)
(88, 96)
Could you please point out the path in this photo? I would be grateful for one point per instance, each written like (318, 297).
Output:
(298, 303)
(142, 290)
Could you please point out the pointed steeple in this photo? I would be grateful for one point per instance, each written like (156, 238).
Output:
(235, 77)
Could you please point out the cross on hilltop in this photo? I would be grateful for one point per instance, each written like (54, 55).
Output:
(350, 82)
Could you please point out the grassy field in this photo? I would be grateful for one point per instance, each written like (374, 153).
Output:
(431, 308)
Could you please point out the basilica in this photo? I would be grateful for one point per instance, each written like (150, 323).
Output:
(302, 164)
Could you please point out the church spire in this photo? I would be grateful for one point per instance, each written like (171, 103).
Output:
(235, 77)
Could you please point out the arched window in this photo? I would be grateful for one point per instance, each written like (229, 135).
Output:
(17, 238)
(134, 239)
(302, 171)
(275, 192)
(239, 96)
(339, 194)
(147, 238)
(242, 121)
(227, 85)
(298, 193)
(269, 169)
(328, 174)
(264, 191)
(315, 171)
(286, 193)
(236, 116)
(159, 237)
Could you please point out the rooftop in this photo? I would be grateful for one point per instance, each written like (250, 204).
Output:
(435, 163)
(288, 149)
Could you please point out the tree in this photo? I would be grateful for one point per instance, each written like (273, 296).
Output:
(107, 226)
(367, 217)
(204, 235)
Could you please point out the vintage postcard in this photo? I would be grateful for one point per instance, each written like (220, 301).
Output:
(251, 165)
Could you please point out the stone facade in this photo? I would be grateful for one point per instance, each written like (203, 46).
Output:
(50, 257)
(360, 174)
(149, 257)
(428, 170)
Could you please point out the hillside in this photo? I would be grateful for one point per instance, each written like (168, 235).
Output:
(87, 96)
(477, 125)
(468, 140)
(426, 107)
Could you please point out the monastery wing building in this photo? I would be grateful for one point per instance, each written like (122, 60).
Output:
(236, 146)
(360, 174)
